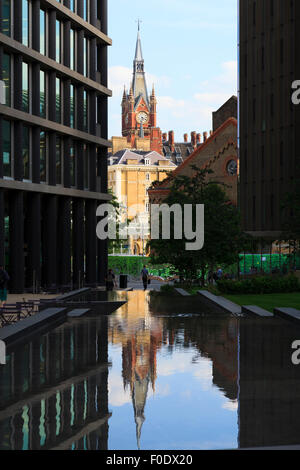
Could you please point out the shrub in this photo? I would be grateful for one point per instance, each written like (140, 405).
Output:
(260, 285)
(167, 289)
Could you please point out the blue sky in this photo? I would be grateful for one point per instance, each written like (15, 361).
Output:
(190, 53)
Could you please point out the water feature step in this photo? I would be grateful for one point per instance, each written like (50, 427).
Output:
(255, 310)
(288, 313)
(78, 312)
(182, 292)
(11, 333)
(220, 302)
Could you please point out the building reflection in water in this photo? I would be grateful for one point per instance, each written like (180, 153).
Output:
(141, 336)
(54, 392)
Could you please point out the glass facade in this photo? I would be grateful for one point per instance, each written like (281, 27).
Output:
(6, 143)
(6, 17)
(58, 42)
(58, 99)
(86, 166)
(85, 45)
(43, 156)
(72, 106)
(25, 88)
(72, 165)
(85, 111)
(58, 160)
(42, 94)
(26, 153)
(72, 49)
(42, 32)
(25, 22)
(6, 77)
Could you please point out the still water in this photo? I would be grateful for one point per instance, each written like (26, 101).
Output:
(157, 374)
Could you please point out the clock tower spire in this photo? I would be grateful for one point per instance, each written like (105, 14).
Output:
(138, 109)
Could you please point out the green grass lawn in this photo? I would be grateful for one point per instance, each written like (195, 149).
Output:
(268, 301)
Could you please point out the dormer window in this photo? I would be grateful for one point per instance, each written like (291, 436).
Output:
(147, 161)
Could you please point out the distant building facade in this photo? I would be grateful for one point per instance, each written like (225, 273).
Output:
(269, 122)
(130, 174)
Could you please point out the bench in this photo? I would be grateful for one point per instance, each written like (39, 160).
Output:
(10, 313)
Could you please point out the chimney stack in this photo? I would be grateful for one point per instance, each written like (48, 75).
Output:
(193, 139)
(205, 136)
(171, 140)
(210, 133)
(198, 138)
(165, 137)
(185, 137)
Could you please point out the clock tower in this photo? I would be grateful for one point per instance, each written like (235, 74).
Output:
(138, 109)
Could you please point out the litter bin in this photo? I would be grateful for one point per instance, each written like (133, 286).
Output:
(123, 281)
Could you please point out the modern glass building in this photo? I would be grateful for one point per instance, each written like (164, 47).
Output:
(53, 141)
(269, 123)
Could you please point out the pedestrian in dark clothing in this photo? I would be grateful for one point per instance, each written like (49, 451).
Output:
(110, 280)
(4, 278)
(145, 276)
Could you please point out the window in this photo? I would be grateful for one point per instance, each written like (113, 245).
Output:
(85, 56)
(42, 94)
(25, 22)
(42, 32)
(148, 176)
(58, 42)
(43, 156)
(72, 165)
(147, 206)
(72, 5)
(147, 161)
(85, 111)
(72, 106)
(86, 165)
(58, 159)
(6, 74)
(25, 153)
(72, 49)
(6, 142)
(25, 88)
(6, 17)
(85, 10)
(58, 99)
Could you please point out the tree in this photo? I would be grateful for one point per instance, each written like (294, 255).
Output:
(291, 206)
(115, 245)
(223, 236)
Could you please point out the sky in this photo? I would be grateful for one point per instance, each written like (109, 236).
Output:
(190, 54)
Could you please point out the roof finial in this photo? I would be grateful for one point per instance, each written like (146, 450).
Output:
(139, 24)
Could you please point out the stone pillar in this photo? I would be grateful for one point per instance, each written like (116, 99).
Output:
(64, 241)
(33, 227)
(16, 242)
(90, 241)
(50, 241)
(78, 241)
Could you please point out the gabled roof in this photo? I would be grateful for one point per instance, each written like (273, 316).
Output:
(122, 157)
(189, 160)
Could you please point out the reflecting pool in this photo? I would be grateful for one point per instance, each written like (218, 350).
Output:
(157, 374)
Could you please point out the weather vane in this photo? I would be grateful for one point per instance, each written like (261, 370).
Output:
(138, 21)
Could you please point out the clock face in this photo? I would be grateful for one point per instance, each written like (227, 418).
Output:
(142, 117)
(232, 168)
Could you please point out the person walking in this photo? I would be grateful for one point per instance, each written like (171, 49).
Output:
(145, 276)
(4, 278)
(110, 280)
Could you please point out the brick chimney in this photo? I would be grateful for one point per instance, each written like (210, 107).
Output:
(165, 136)
(205, 136)
(210, 133)
(171, 140)
(193, 139)
(198, 138)
(185, 137)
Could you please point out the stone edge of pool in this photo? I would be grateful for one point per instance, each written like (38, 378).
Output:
(52, 313)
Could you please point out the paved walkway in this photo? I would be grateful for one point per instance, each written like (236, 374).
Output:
(138, 285)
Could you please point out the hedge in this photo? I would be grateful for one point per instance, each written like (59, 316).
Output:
(260, 285)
